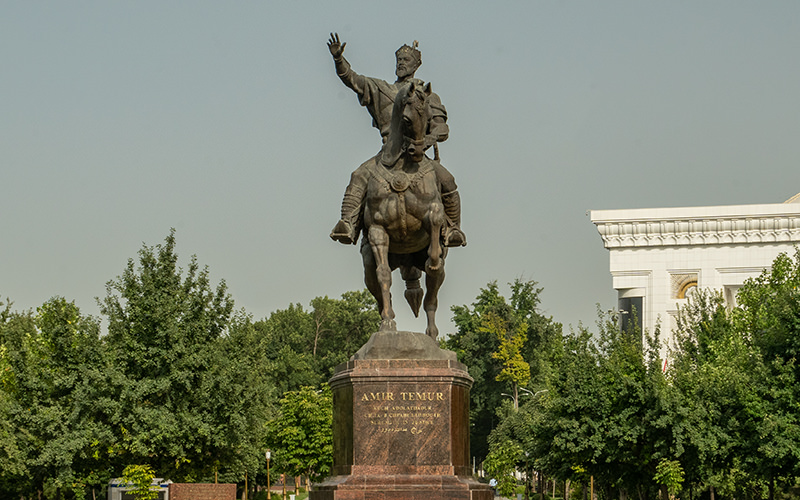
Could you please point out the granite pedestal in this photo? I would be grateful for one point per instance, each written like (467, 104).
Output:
(401, 426)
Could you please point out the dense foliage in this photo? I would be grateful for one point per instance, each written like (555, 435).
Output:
(721, 419)
(506, 344)
(182, 385)
(301, 433)
(185, 387)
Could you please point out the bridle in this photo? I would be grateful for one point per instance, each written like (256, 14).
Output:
(418, 104)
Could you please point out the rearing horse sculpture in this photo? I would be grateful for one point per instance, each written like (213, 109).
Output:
(403, 214)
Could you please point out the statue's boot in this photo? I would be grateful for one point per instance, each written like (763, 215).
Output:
(345, 230)
(453, 236)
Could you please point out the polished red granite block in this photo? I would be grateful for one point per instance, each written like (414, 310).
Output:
(401, 431)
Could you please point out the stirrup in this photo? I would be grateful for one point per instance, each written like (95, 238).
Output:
(454, 237)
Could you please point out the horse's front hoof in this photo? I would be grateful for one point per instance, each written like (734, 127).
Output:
(432, 332)
(388, 325)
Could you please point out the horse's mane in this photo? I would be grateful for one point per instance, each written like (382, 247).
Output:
(395, 142)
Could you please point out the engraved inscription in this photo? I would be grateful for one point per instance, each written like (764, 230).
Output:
(377, 396)
(402, 412)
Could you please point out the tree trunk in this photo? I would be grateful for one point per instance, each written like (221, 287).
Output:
(772, 488)
(316, 339)
(711, 493)
(528, 481)
(541, 486)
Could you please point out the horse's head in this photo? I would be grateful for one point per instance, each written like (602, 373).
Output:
(410, 116)
(415, 120)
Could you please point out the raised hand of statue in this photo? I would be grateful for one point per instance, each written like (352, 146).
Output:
(336, 47)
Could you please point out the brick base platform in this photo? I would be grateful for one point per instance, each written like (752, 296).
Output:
(202, 491)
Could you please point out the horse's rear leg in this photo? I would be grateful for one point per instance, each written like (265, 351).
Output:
(379, 241)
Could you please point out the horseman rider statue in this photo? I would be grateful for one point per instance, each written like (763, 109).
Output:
(378, 97)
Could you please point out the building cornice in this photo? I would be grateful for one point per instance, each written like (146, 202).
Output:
(694, 226)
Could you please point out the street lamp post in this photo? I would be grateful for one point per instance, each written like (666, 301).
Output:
(268, 454)
(514, 399)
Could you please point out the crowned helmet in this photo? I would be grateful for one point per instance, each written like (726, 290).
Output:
(412, 50)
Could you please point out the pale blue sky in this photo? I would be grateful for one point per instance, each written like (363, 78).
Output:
(226, 121)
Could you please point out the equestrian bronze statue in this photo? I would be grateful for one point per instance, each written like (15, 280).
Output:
(404, 203)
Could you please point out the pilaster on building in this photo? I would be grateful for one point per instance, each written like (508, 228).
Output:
(657, 256)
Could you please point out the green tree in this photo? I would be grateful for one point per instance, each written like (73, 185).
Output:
(56, 387)
(285, 335)
(501, 465)
(474, 345)
(711, 371)
(305, 346)
(242, 399)
(141, 478)
(341, 327)
(302, 436)
(21, 389)
(79, 366)
(669, 473)
(609, 412)
(516, 427)
(514, 369)
(769, 317)
(12, 460)
(737, 375)
(165, 331)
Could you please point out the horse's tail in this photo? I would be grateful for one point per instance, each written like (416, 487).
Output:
(413, 294)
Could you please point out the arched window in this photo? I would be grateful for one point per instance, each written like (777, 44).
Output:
(686, 288)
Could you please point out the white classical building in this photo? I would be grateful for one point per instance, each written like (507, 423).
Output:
(658, 254)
